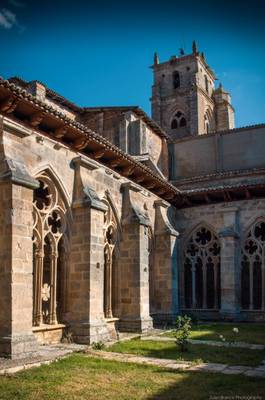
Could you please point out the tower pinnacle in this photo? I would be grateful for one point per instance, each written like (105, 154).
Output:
(194, 47)
(156, 59)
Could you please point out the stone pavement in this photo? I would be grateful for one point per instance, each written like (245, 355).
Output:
(258, 372)
(242, 345)
(46, 355)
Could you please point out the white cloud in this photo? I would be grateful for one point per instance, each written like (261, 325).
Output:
(8, 20)
(10, 16)
(4, 21)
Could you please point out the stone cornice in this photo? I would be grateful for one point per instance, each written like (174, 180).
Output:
(14, 127)
(16, 172)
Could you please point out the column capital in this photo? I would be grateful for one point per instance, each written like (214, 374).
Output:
(162, 224)
(90, 199)
(16, 172)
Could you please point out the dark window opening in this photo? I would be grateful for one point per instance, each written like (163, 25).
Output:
(174, 124)
(206, 83)
(176, 80)
(179, 120)
(182, 122)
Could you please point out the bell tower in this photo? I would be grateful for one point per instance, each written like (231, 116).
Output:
(184, 100)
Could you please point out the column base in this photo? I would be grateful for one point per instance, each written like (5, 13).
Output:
(18, 346)
(230, 315)
(112, 325)
(89, 332)
(140, 325)
(164, 319)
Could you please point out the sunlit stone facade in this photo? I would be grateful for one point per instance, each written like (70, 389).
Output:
(112, 221)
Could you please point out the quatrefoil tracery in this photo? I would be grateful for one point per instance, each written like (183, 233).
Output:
(203, 244)
(49, 212)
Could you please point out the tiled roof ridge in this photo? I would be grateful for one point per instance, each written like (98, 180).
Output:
(22, 93)
(260, 182)
(220, 174)
(79, 109)
(61, 99)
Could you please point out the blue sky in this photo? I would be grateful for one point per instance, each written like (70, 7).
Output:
(100, 55)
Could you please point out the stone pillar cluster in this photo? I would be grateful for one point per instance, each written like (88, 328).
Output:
(16, 202)
(230, 265)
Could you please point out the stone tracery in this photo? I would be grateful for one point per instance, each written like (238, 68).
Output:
(253, 268)
(111, 235)
(202, 270)
(48, 235)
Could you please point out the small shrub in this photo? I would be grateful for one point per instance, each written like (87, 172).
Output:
(182, 332)
(98, 345)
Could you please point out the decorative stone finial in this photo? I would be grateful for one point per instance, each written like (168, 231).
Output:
(156, 59)
(203, 56)
(194, 47)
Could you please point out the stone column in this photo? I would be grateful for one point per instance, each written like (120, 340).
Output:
(38, 276)
(53, 272)
(230, 264)
(165, 273)
(134, 263)
(85, 313)
(16, 266)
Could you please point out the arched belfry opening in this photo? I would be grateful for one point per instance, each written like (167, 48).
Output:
(202, 270)
(253, 268)
(50, 243)
(111, 232)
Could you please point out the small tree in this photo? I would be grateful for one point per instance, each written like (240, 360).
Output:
(182, 332)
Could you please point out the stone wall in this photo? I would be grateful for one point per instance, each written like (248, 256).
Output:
(239, 149)
(82, 184)
(230, 222)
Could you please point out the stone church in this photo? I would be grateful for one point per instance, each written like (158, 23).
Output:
(112, 221)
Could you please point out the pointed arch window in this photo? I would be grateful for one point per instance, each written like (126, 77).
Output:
(111, 246)
(208, 122)
(49, 246)
(178, 121)
(202, 270)
(253, 268)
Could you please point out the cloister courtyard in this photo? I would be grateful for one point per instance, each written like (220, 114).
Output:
(223, 359)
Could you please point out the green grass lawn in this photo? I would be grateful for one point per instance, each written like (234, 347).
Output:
(249, 333)
(196, 352)
(80, 377)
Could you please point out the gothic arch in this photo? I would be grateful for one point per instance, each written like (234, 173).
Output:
(50, 243)
(253, 266)
(54, 176)
(201, 268)
(112, 236)
(208, 121)
(178, 120)
(195, 228)
(115, 211)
